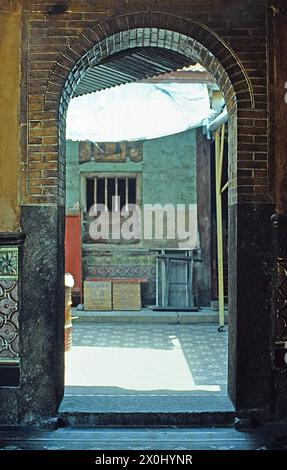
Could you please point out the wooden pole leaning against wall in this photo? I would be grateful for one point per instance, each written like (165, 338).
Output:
(219, 153)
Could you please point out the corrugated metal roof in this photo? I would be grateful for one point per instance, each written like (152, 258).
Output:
(130, 66)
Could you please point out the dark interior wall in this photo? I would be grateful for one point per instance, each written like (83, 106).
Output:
(249, 295)
(42, 330)
(277, 26)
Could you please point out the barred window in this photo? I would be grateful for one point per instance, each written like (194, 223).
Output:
(117, 191)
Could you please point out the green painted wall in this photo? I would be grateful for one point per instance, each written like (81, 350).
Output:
(169, 169)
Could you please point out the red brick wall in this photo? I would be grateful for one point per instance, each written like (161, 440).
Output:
(233, 30)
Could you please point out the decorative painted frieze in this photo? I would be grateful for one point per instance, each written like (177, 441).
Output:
(110, 152)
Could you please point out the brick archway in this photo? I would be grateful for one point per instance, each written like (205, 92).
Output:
(187, 37)
(43, 197)
(190, 38)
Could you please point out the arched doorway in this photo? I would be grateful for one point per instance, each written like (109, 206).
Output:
(196, 42)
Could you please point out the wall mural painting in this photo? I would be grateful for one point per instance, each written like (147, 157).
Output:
(110, 152)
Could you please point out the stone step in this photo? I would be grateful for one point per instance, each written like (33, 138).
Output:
(155, 410)
(147, 316)
(131, 438)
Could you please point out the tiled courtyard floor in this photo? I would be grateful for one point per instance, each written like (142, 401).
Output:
(153, 359)
(112, 362)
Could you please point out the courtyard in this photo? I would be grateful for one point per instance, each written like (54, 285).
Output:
(147, 359)
(146, 368)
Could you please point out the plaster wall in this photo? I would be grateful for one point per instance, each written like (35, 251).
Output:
(10, 37)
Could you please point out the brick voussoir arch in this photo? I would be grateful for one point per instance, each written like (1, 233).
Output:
(188, 37)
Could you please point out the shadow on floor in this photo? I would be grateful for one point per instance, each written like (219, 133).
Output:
(148, 357)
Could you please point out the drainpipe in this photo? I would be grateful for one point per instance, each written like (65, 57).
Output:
(217, 122)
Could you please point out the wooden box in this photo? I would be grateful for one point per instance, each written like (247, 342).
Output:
(126, 295)
(97, 295)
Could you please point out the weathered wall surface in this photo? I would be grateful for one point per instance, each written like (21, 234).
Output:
(169, 170)
(10, 37)
(168, 176)
(278, 183)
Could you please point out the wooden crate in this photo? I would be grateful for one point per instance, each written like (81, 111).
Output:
(126, 295)
(97, 295)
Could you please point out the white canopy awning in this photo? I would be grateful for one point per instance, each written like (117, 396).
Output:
(138, 111)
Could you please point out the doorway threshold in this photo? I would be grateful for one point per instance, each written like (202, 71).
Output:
(88, 406)
(148, 315)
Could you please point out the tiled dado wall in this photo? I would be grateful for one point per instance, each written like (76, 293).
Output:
(9, 325)
(120, 264)
(9, 321)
